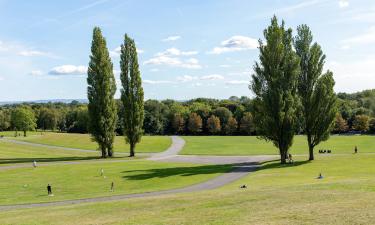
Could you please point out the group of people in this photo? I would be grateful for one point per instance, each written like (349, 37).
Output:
(49, 187)
(324, 151)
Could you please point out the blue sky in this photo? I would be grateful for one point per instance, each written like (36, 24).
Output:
(187, 49)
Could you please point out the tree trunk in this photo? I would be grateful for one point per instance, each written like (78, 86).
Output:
(24, 133)
(132, 145)
(104, 153)
(311, 147)
(283, 156)
(311, 152)
(110, 152)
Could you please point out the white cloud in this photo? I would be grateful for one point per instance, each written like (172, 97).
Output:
(343, 3)
(176, 52)
(212, 77)
(366, 38)
(237, 82)
(186, 78)
(171, 38)
(154, 70)
(1, 78)
(224, 66)
(68, 70)
(191, 63)
(354, 75)
(36, 73)
(33, 53)
(235, 43)
(157, 82)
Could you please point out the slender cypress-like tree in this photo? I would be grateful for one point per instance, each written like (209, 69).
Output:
(131, 94)
(100, 92)
(315, 89)
(275, 87)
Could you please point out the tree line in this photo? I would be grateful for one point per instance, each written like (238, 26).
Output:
(169, 117)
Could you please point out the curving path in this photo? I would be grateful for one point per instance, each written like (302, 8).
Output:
(242, 166)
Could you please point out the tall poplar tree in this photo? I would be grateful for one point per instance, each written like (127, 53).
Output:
(100, 92)
(318, 100)
(131, 94)
(275, 87)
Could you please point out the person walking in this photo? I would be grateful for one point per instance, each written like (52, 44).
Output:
(355, 150)
(112, 186)
(49, 190)
(34, 164)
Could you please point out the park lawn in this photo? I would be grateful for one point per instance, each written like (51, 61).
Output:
(276, 194)
(19, 133)
(75, 181)
(252, 145)
(17, 153)
(83, 141)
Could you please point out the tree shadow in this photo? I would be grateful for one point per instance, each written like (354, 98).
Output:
(275, 164)
(176, 171)
(57, 159)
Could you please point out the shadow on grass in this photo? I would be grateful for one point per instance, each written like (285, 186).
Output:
(38, 159)
(275, 164)
(176, 171)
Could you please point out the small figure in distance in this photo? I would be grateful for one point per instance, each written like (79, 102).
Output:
(328, 151)
(102, 172)
(112, 186)
(49, 190)
(34, 164)
(320, 176)
(290, 158)
(355, 150)
(243, 186)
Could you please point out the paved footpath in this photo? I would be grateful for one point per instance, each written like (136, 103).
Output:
(243, 165)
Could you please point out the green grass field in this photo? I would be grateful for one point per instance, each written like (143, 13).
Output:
(251, 145)
(11, 153)
(276, 194)
(25, 185)
(83, 141)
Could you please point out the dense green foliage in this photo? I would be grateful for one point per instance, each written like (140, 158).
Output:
(23, 118)
(131, 94)
(318, 100)
(275, 87)
(172, 116)
(100, 93)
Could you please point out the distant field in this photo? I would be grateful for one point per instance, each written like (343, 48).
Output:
(276, 194)
(83, 141)
(25, 185)
(251, 145)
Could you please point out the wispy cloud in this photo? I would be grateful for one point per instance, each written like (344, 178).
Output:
(365, 38)
(68, 70)
(191, 63)
(235, 43)
(237, 82)
(212, 77)
(176, 52)
(171, 38)
(343, 3)
(36, 73)
(186, 78)
(30, 53)
(157, 82)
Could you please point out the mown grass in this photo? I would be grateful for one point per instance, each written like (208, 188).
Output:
(84, 141)
(251, 145)
(11, 153)
(276, 194)
(74, 181)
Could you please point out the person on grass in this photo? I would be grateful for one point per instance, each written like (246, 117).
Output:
(49, 190)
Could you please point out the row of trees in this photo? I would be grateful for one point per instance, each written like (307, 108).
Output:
(101, 90)
(291, 90)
